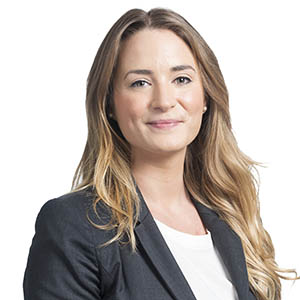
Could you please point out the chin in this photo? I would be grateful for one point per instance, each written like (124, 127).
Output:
(169, 149)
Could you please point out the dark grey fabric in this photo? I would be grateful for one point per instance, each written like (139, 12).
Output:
(66, 261)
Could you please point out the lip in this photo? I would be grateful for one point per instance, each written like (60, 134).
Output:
(164, 124)
(166, 121)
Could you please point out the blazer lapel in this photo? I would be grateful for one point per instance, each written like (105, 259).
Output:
(159, 254)
(229, 247)
(225, 240)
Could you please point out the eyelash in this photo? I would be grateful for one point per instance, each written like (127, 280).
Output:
(185, 78)
(138, 82)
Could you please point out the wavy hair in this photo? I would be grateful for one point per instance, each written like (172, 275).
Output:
(216, 172)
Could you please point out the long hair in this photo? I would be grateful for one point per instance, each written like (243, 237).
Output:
(216, 172)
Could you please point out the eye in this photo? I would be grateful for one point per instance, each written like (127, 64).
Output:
(183, 80)
(139, 83)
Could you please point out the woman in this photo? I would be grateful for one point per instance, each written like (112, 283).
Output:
(164, 204)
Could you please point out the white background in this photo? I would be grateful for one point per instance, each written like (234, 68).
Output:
(47, 49)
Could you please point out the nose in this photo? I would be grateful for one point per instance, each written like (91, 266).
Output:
(163, 97)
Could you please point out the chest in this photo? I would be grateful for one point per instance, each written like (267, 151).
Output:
(152, 272)
(200, 263)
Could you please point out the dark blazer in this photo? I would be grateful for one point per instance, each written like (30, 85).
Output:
(66, 262)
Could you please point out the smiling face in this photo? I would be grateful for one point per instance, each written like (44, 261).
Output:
(158, 96)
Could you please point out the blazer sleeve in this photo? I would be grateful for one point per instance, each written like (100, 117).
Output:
(62, 263)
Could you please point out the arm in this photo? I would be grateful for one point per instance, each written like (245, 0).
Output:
(62, 263)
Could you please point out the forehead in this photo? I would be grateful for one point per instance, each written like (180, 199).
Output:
(154, 47)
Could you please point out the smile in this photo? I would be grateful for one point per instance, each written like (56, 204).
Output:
(164, 124)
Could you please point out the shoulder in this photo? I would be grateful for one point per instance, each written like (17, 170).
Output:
(71, 214)
(71, 202)
(64, 259)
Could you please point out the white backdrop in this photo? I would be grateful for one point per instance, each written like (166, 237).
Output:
(47, 48)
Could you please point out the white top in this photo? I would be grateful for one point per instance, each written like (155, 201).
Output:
(200, 263)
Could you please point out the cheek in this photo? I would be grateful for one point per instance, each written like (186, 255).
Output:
(193, 101)
(128, 109)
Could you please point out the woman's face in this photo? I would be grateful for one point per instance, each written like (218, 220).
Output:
(158, 95)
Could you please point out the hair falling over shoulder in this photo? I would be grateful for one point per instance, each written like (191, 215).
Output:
(216, 172)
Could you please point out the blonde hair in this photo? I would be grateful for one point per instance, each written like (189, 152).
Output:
(216, 172)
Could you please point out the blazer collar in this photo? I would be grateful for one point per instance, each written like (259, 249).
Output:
(224, 238)
(229, 247)
(155, 247)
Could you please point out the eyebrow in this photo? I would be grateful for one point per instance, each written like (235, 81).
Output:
(149, 72)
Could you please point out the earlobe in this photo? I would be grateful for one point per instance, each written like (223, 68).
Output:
(110, 110)
(112, 117)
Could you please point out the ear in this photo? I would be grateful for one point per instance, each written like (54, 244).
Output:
(205, 99)
(110, 112)
(204, 105)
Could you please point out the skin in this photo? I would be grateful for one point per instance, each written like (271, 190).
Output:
(161, 91)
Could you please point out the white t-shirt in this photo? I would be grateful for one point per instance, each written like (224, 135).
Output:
(200, 263)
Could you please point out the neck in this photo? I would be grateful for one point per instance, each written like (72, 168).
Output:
(160, 178)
